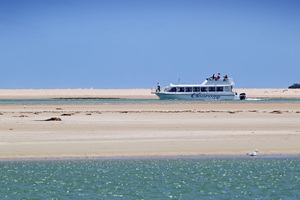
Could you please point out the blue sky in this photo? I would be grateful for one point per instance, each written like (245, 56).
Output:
(136, 43)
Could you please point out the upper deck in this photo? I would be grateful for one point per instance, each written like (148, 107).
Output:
(208, 82)
(218, 82)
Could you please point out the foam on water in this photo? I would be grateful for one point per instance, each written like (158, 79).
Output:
(253, 99)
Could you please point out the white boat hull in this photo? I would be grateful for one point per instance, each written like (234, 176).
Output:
(211, 96)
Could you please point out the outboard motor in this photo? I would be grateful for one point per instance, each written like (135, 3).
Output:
(242, 96)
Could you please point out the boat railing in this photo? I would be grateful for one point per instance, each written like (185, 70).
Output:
(154, 90)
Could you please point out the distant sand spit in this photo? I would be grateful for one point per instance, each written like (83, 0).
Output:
(77, 93)
(129, 93)
(271, 93)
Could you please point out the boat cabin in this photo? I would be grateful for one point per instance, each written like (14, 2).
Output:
(207, 86)
(199, 89)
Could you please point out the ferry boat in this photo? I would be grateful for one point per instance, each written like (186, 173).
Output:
(213, 88)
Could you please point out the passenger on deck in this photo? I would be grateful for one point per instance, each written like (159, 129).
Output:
(158, 87)
(213, 77)
(219, 76)
(225, 78)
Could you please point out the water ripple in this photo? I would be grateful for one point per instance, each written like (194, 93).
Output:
(213, 178)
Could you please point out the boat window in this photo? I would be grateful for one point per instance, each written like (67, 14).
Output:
(204, 89)
(227, 89)
(219, 89)
(196, 89)
(188, 89)
(173, 89)
(181, 89)
(212, 89)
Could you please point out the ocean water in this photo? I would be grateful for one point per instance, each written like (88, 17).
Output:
(128, 101)
(263, 177)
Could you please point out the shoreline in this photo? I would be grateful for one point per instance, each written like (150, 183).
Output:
(264, 156)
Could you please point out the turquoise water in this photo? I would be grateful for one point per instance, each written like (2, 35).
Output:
(264, 177)
(126, 101)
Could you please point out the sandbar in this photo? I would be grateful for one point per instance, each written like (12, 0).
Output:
(149, 129)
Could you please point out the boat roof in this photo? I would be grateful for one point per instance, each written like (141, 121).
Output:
(208, 82)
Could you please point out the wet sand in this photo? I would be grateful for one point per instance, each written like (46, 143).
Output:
(158, 129)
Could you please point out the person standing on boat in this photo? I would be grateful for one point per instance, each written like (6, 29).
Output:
(225, 78)
(219, 76)
(158, 87)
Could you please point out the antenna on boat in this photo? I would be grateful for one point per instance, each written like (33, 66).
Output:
(178, 81)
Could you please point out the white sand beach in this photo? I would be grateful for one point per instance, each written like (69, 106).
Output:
(159, 129)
